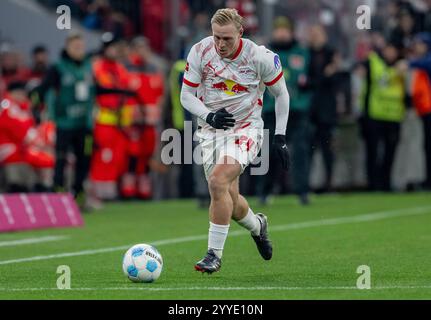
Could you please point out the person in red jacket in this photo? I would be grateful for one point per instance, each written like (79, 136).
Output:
(108, 160)
(20, 144)
(141, 135)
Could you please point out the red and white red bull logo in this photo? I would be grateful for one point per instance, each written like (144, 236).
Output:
(230, 87)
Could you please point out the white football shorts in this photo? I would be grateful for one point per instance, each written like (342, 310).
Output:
(243, 146)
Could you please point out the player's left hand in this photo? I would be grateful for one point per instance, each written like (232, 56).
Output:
(220, 119)
(280, 146)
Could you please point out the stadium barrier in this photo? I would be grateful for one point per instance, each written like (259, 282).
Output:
(38, 211)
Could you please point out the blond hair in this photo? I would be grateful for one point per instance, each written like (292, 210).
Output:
(226, 16)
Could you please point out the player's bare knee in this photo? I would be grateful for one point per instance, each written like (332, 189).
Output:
(217, 184)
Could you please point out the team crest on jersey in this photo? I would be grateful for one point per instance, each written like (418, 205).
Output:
(277, 62)
(187, 67)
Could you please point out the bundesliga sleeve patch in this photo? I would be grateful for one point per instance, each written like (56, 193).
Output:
(277, 62)
(187, 67)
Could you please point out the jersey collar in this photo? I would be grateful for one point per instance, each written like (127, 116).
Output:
(238, 51)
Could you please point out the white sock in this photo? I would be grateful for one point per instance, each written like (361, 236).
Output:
(251, 223)
(217, 237)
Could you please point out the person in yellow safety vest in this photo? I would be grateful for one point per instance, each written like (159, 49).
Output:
(383, 109)
(113, 115)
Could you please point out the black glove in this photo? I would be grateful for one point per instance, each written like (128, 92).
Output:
(221, 119)
(280, 146)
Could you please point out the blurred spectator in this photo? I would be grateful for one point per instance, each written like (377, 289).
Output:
(322, 80)
(248, 10)
(39, 63)
(295, 61)
(38, 71)
(363, 46)
(118, 24)
(421, 93)
(143, 59)
(69, 92)
(378, 42)
(21, 147)
(97, 12)
(11, 68)
(108, 161)
(16, 133)
(124, 52)
(390, 15)
(421, 58)
(141, 133)
(403, 33)
(383, 103)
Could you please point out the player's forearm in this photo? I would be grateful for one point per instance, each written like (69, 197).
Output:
(192, 104)
(282, 113)
(282, 104)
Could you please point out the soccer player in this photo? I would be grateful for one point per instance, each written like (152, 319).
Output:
(229, 75)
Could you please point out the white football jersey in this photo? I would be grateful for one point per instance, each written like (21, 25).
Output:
(235, 84)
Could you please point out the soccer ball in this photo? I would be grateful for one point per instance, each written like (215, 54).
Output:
(142, 263)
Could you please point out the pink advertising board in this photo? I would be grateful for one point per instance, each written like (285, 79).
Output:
(38, 211)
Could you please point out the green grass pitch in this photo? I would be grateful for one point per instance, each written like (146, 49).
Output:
(317, 251)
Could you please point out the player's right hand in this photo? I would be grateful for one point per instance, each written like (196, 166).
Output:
(283, 152)
(220, 119)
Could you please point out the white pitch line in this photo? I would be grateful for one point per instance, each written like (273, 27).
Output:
(145, 288)
(12, 243)
(291, 226)
(352, 219)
